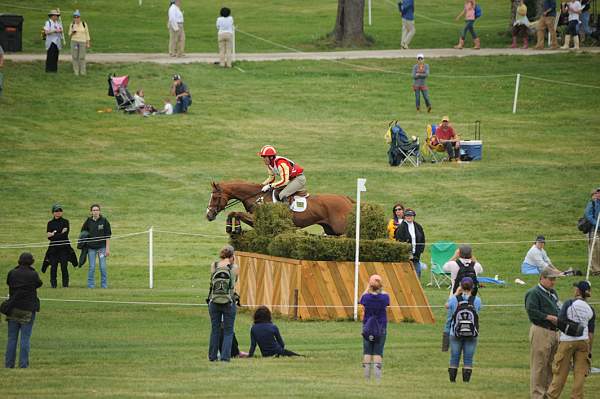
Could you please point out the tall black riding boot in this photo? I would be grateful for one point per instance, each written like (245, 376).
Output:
(452, 373)
(467, 374)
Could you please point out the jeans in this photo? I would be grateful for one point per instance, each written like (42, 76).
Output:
(417, 266)
(585, 23)
(226, 315)
(11, 345)
(92, 260)
(453, 149)
(182, 104)
(469, 28)
(425, 97)
(466, 346)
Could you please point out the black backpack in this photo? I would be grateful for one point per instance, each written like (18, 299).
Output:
(583, 224)
(465, 318)
(467, 270)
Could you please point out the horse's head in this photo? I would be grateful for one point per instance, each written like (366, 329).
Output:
(218, 201)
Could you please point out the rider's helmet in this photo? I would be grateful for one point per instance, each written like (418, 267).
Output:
(267, 151)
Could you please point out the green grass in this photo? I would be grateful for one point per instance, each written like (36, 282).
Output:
(126, 27)
(539, 166)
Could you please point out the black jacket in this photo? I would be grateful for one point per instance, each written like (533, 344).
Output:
(23, 282)
(403, 235)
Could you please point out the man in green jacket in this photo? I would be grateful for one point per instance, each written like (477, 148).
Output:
(541, 303)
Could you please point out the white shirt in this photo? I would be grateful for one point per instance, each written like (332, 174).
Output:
(225, 24)
(175, 17)
(168, 109)
(54, 37)
(573, 8)
(582, 313)
(538, 258)
(452, 268)
(138, 101)
(413, 237)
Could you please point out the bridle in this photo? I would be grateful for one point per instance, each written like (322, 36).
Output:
(218, 194)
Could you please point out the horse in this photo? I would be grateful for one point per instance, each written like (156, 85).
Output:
(327, 210)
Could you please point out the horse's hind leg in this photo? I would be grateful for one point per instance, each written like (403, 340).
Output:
(328, 230)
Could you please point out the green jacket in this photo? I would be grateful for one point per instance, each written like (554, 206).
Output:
(539, 303)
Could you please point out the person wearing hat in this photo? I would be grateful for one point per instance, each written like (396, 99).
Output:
(463, 264)
(592, 211)
(420, 72)
(537, 259)
(176, 32)
(446, 136)
(412, 232)
(23, 282)
(59, 249)
(407, 9)
(577, 349)
(80, 42)
(541, 304)
(54, 32)
(462, 345)
(182, 95)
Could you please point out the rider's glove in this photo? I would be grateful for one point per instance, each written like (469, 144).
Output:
(266, 188)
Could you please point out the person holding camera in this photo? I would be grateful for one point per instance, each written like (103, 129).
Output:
(577, 322)
(80, 42)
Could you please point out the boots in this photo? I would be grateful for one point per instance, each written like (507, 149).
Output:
(452, 373)
(461, 44)
(526, 42)
(476, 44)
(567, 42)
(514, 42)
(576, 42)
(466, 374)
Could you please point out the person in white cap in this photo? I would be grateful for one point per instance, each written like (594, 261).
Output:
(80, 42)
(420, 72)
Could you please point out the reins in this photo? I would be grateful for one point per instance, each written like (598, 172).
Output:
(237, 201)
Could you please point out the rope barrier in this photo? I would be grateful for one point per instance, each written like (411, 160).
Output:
(561, 82)
(189, 234)
(63, 242)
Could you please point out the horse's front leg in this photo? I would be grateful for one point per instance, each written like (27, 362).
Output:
(233, 221)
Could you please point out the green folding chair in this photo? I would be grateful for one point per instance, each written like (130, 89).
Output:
(441, 252)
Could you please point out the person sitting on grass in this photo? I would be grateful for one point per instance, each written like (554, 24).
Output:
(140, 104)
(168, 108)
(537, 259)
(267, 336)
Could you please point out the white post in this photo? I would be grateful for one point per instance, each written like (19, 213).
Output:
(516, 93)
(151, 256)
(360, 186)
(233, 46)
(587, 275)
(140, 2)
(369, 12)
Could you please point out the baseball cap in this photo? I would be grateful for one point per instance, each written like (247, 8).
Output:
(410, 212)
(465, 252)
(56, 207)
(445, 119)
(584, 287)
(548, 273)
(596, 190)
(176, 77)
(540, 238)
(420, 56)
(77, 13)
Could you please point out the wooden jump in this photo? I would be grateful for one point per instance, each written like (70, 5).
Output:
(305, 289)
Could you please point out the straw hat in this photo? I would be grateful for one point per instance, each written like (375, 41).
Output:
(54, 12)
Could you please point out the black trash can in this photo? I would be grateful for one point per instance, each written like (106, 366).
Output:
(11, 32)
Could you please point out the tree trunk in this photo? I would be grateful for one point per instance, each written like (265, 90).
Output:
(348, 30)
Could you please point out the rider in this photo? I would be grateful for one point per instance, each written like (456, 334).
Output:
(289, 173)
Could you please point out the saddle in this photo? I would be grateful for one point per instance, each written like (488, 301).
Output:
(297, 201)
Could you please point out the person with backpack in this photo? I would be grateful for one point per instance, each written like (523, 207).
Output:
(374, 330)
(575, 344)
(52, 35)
(266, 335)
(592, 210)
(221, 304)
(80, 42)
(471, 12)
(462, 325)
(463, 264)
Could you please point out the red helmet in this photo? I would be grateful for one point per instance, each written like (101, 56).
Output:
(268, 151)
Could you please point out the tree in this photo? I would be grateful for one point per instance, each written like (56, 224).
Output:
(348, 30)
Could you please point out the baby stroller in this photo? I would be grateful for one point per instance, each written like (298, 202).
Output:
(402, 148)
(117, 88)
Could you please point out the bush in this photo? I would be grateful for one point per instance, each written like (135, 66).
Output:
(372, 222)
(273, 219)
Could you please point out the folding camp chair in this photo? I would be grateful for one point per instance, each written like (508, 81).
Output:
(441, 252)
(433, 150)
(403, 149)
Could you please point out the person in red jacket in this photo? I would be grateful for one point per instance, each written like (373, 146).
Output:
(283, 173)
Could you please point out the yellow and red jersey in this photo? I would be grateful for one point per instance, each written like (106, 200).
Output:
(284, 169)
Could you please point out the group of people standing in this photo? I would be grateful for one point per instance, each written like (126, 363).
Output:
(55, 37)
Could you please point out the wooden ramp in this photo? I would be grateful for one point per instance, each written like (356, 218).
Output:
(324, 290)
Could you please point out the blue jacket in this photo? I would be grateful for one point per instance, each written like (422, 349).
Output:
(550, 4)
(591, 211)
(408, 10)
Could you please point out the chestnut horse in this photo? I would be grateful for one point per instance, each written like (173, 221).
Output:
(327, 210)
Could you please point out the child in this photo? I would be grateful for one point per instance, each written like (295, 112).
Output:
(266, 335)
(168, 108)
(375, 302)
(521, 26)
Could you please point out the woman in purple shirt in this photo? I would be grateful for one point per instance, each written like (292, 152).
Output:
(375, 302)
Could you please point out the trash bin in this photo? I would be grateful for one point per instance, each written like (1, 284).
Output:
(11, 32)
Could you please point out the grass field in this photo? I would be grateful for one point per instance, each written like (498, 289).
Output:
(539, 166)
(126, 27)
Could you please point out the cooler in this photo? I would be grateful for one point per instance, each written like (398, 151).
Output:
(472, 149)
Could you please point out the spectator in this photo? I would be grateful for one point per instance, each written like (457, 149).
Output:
(225, 37)
(445, 135)
(140, 103)
(98, 244)
(397, 218)
(537, 259)
(53, 30)
(221, 304)
(420, 72)
(176, 32)
(80, 42)
(23, 282)
(469, 13)
(375, 302)
(60, 249)
(574, 8)
(584, 28)
(546, 22)
(592, 210)
(577, 349)
(1, 66)
(521, 26)
(168, 107)
(541, 303)
(267, 336)
(182, 95)
(463, 264)
(407, 9)
(411, 232)
(462, 326)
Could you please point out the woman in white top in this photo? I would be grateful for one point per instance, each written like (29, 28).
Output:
(574, 8)
(53, 30)
(225, 35)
